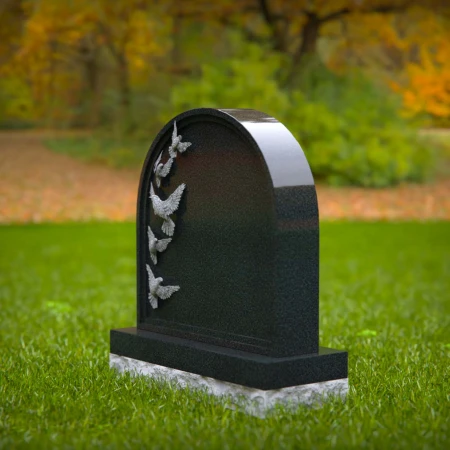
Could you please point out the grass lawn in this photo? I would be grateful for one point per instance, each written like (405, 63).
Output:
(384, 298)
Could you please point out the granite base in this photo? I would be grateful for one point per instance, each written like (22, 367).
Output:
(256, 402)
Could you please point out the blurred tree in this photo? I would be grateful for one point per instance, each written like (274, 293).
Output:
(292, 27)
(89, 50)
(46, 55)
(128, 30)
(71, 58)
(14, 92)
(408, 51)
(11, 23)
(65, 48)
(427, 89)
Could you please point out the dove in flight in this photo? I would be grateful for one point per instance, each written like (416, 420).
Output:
(162, 170)
(156, 245)
(157, 291)
(163, 208)
(176, 143)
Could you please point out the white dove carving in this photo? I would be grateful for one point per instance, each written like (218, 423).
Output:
(156, 245)
(163, 208)
(176, 143)
(157, 291)
(162, 170)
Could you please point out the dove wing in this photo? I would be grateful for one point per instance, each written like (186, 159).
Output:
(162, 244)
(152, 191)
(151, 277)
(174, 132)
(182, 146)
(165, 292)
(166, 168)
(171, 204)
(157, 162)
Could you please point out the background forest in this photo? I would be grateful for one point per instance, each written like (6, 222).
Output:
(353, 80)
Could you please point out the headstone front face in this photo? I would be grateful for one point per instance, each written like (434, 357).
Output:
(228, 255)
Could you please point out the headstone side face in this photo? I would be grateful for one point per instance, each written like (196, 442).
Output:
(297, 271)
(243, 253)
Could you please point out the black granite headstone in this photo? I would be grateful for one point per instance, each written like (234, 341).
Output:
(228, 255)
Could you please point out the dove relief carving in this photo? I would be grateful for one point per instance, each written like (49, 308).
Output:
(156, 290)
(163, 209)
(156, 245)
(162, 170)
(176, 143)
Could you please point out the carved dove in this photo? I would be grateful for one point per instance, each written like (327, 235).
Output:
(176, 143)
(157, 291)
(162, 170)
(156, 245)
(163, 208)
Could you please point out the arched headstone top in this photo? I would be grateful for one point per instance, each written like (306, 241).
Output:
(283, 155)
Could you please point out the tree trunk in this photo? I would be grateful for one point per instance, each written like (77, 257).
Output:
(93, 78)
(124, 91)
(89, 56)
(50, 113)
(308, 45)
(94, 85)
(277, 28)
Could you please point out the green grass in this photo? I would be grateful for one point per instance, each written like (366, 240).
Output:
(113, 152)
(384, 298)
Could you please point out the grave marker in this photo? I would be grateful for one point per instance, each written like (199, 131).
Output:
(228, 264)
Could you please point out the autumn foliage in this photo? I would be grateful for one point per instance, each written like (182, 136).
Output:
(62, 62)
(428, 87)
